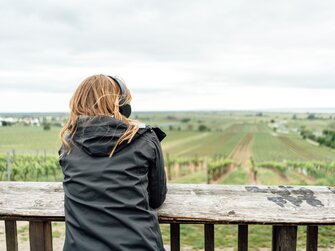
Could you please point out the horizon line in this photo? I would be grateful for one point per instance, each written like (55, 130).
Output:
(275, 110)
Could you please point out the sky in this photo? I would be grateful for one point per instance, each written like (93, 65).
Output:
(173, 55)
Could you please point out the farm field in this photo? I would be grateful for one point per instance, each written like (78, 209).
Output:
(266, 149)
(221, 134)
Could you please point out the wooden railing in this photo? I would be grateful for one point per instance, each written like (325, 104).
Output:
(283, 207)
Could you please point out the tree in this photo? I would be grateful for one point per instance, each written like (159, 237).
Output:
(46, 126)
(311, 116)
(202, 128)
(185, 120)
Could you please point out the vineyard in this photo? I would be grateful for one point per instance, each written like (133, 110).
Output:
(29, 168)
(230, 148)
(46, 168)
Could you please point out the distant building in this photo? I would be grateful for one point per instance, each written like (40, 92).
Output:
(30, 121)
(8, 121)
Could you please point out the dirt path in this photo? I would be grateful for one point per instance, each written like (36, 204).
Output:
(231, 168)
(281, 175)
(310, 180)
(227, 134)
(241, 155)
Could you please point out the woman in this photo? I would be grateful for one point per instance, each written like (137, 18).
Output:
(113, 168)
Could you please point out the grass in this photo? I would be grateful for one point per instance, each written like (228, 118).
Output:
(196, 178)
(300, 179)
(236, 177)
(259, 236)
(267, 147)
(227, 130)
(310, 152)
(29, 139)
(267, 176)
(23, 233)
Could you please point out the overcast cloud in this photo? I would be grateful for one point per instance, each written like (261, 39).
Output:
(174, 55)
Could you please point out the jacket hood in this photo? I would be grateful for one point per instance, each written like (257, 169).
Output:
(97, 135)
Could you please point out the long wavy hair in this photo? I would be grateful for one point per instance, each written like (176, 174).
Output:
(97, 95)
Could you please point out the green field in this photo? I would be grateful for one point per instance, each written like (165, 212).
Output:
(226, 130)
(29, 139)
(271, 140)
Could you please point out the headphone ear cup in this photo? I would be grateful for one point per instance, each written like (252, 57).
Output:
(125, 110)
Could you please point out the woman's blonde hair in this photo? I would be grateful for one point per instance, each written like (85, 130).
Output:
(97, 95)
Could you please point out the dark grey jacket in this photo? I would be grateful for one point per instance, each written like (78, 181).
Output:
(110, 203)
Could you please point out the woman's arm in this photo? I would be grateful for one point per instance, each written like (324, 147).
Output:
(157, 177)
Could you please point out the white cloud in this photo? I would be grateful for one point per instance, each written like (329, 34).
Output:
(161, 48)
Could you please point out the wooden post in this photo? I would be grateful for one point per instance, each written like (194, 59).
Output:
(176, 170)
(45, 155)
(242, 242)
(175, 236)
(11, 235)
(13, 153)
(206, 169)
(8, 167)
(192, 167)
(209, 237)
(40, 235)
(312, 238)
(168, 166)
(284, 238)
(169, 171)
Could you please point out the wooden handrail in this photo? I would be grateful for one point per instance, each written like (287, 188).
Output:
(283, 207)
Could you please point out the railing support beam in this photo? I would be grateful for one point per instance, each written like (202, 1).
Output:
(40, 236)
(11, 235)
(312, 238)
(209, 237)
(242, 244)
(175, 236)
(284, 238)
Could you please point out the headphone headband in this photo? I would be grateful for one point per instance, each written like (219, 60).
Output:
(121, 86)
(125, 109)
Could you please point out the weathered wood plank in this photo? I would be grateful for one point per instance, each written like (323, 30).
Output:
(312, 238)
(45, 199)
(192, 203)
(175, 236)
(284, 238)
(222, 204)
(40, 236)
(11, 235)
(209, 237)
(242, 241)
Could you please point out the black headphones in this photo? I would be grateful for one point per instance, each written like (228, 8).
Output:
(125, 109)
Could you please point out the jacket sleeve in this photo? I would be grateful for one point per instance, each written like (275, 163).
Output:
(157, 178)
(60, 152)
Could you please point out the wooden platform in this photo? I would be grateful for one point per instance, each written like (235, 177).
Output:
(190, 203)
(284, 207)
